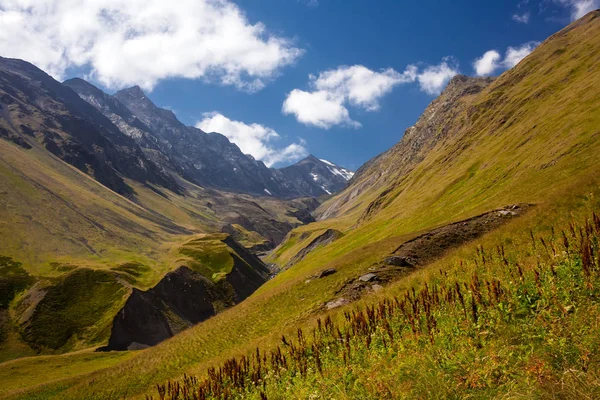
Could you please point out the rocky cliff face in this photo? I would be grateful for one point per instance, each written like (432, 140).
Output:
(37, 110)
(153, 148)
(207, 159)
(431, 128)
(182, 299)
(317, 177)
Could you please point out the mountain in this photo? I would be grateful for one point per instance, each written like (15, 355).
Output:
(38, 111)
(94, 206)
(441, 237)
(477, 233)
(127, 123)
(207, 159)
(433, 127)
(481, 145)
(317, 177)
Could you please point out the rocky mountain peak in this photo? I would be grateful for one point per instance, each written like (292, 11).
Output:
(317, 176)
(462, 85)
(134, 92)
(82, 85)
(136, 100)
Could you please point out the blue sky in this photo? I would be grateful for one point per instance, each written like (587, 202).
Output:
(377, 54)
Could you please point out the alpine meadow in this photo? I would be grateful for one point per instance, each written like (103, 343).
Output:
(166, 232)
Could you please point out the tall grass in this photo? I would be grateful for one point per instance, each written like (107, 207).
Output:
(509, 327)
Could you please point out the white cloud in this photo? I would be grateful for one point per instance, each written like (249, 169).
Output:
(125, 42)
(522, 18)
(334, 90)
(487, 63)
(514, 55)
(579, 8)
(435, 78)
(359, 85)
(253, 139)
(321, 109)
(491, 60)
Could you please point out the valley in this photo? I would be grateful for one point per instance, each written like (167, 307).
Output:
(90, 228)
(142, 258)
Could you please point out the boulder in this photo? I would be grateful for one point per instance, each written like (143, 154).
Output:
(336, 303)
(376, 288)
(326, 272)
(368, 278)
(398, 261)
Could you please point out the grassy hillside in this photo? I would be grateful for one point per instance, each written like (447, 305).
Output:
(52, 212)
(81, 247)
(287, 302)
(502, 323)
(531, 136)
(522, 139)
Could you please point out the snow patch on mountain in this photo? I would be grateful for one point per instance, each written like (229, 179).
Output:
(343, 172)
(347, 175)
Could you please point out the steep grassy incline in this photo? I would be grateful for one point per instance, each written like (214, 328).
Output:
(521, 139)
(530, 137)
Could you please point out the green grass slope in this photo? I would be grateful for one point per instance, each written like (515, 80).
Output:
(501, 323)
(522, 139)
(529, 137)
(51, 212)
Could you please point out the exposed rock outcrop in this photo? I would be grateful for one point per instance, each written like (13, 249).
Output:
(431, 245)
(426, 248)
(182, 299)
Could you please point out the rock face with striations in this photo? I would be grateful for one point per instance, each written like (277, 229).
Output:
(182, 299)
(36, 110)
(156, 150)
(207, 159)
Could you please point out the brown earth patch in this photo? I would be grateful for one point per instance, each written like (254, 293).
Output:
(426, 248)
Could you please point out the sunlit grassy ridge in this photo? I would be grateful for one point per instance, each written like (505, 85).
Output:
(208, 255)
(521, 139)
(60, 224)
(79, 308)
(530, 137)
(495, 325)
(51, 212)
(281, 307)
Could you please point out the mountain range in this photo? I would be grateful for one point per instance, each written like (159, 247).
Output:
(462, 262)
(94, 181)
